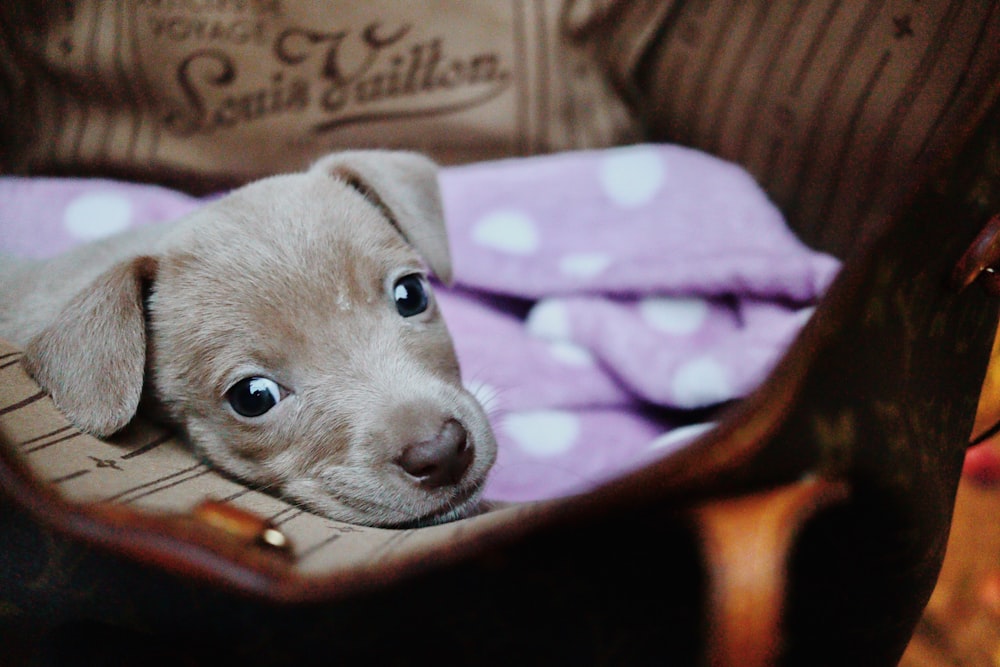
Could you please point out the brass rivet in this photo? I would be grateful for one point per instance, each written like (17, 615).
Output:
(273, 537)
(982, 257)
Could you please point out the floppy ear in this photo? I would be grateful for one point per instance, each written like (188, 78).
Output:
(92, 357)
(404, 186)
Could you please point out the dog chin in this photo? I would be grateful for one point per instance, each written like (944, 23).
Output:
(312, 495)
(471, 506)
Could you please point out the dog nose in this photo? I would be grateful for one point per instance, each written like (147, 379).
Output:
(440, 461)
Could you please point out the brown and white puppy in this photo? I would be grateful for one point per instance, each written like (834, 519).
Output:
(288, 329)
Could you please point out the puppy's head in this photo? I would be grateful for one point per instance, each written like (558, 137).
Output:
(290, 329)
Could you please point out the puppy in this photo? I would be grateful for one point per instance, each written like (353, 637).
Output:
(288, 330)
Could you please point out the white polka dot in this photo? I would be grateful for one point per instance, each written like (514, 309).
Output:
(543, 433)
(700, 382)
(632, 176)
(508, 231)
(584, 265)
(673, 440)
(94, 216)
(677, 316)
(485, 394)
(549, 320)
(571, 354)
(804, 315)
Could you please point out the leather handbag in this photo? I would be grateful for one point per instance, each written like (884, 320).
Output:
(808, 528)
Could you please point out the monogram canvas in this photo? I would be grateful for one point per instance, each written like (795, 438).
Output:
(236, 89)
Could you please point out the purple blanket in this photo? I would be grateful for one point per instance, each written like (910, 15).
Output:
(601, 298)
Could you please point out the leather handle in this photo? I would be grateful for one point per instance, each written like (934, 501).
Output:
(747, 543)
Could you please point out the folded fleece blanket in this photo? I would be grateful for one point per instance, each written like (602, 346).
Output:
(602, 300)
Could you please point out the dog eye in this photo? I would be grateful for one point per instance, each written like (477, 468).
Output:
(253, 396)
(410, 295)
